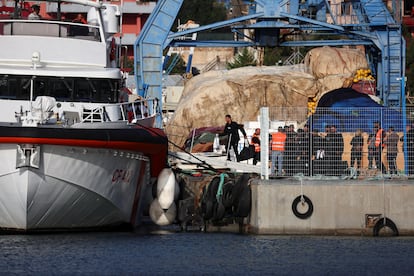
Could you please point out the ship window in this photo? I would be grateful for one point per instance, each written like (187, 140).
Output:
(7, 87)
(63, 89)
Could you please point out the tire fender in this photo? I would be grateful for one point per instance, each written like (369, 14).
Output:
(302, 199)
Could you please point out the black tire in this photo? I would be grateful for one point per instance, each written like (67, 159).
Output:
(227, 198)
(209, 201)
(244, 203)
(297, 201)
(219, 212)
(385, 222)
(239, 187)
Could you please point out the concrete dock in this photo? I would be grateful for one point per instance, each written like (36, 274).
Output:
(340, 207)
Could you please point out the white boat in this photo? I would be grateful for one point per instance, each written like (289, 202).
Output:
(72, 156)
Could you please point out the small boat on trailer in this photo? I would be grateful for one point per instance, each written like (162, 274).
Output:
(75, 153)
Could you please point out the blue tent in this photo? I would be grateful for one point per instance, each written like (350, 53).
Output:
(350, 110)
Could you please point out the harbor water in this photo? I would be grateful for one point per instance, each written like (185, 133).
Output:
(196, 253)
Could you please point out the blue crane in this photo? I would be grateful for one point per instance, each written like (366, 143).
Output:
(358, 22)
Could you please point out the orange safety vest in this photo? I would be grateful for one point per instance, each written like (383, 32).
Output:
(278, 141)
(256, 145)
(378, 138)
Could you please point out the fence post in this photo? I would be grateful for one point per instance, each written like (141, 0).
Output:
(264, 142)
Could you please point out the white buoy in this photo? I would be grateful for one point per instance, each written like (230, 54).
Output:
(166, 188)
(160, 216)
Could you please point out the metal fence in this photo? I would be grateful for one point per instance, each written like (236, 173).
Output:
(336, 141)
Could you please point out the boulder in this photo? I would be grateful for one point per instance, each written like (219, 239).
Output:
(243, 91)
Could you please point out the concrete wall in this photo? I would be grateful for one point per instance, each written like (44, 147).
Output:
(340, 206)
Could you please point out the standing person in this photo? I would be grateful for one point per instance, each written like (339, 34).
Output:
(371, 150)
(278, 148)
(334, 151)
(379, 146)
(290, 150)
(317, 152)
(304, 150)
(256, 143)
(410, 150)
(391, 143)
(34, 15)
(232, 130)
(357, 143)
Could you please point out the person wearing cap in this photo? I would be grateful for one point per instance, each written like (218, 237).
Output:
(34, 15)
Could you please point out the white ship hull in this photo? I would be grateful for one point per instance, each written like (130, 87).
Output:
(72, 188)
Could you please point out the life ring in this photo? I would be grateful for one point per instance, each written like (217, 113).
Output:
(302, 199)
(385, 222)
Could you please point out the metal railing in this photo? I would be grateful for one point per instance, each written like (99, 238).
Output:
(336, 141)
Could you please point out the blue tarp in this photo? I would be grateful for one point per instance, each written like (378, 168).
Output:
(350, 110)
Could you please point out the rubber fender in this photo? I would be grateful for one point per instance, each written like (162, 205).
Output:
(302, 199)
(209, 201)
(161, 216)
(244, 204)
(219, 211)
(238, 188)
(385, 222)
(227, 198)
(166, 188)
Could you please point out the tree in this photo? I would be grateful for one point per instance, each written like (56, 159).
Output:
(243, 58)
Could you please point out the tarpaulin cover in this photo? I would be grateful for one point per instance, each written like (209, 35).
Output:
(350, 110)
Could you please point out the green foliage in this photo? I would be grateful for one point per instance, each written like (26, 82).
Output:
(243, 58)
(179, 67)
(129, 64)
(202, 12)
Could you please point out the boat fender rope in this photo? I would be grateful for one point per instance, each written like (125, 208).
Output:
(385, 222)
(302, 199)
(219, 193)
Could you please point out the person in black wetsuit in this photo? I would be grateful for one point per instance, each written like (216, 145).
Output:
(232, 130)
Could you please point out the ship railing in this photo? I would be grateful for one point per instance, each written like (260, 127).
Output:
(130, 112)
(49, 28)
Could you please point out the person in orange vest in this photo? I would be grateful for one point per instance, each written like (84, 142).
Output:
(278, 148)
(379, 146)
(256, 143)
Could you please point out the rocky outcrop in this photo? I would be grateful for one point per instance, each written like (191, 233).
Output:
(242, 92)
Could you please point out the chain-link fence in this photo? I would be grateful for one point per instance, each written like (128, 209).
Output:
(337, 141)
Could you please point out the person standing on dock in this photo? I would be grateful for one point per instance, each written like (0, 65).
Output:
(391, 143)
(379, 146)
(232, 130)
(256, 143)
(357, 142)
(410, 149)
(278, 148)
(334, 151)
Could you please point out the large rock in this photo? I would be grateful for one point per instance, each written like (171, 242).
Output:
(328, 61)
(239, 92)
(242, 92)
